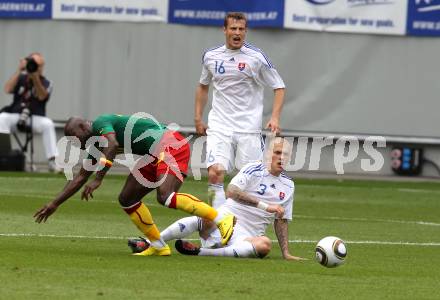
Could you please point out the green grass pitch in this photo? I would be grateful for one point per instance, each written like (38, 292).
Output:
(392, 232)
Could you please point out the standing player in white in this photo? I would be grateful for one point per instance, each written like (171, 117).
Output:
(238, 72)
(258, 195)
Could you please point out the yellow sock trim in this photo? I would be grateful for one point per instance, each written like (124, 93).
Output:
(143, 220)
(195, 206)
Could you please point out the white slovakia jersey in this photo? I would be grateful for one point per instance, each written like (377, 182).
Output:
(238, 78)
(255, 179)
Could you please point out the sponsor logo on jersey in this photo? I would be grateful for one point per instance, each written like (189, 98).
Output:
(181, 227)
(241, 66)
(282, 195)
(232, 59)
(272, 186)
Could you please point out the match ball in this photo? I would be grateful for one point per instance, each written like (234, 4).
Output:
(331, 252)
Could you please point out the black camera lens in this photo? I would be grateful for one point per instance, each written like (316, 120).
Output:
(31, 65)
(22, 119)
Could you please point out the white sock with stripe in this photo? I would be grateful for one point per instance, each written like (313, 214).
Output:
(181, 228)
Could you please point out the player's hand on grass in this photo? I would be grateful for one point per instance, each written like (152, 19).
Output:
(90, 188)
(201, 128)
(287, 256)
(278, 210)
(43, 213)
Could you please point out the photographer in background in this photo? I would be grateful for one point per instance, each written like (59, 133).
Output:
(31, 92)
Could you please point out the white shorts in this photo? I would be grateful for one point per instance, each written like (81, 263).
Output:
(233, 150)
(214, 240)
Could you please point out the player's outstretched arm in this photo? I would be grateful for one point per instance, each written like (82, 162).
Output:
(281, 227)
(109, 155)
(69, 190)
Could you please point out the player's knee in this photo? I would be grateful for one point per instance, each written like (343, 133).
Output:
(123, 200)
(163, 195)
(262, 245)
(127, 199)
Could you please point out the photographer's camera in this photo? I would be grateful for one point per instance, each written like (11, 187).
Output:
(22, 119)
(31, 65)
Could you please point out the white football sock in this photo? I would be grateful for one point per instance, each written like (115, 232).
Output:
(214, 240)
(219, 194)
(181, 228)
(239, 249)
(160, 243)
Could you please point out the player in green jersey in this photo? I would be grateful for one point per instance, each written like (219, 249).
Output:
(162, 157)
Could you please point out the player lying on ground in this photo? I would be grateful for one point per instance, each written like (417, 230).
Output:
(165, 160)
(259, 194)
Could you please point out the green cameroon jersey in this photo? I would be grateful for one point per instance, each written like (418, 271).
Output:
(148, 130)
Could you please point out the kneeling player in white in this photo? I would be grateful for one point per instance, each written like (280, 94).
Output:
(259, 194)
